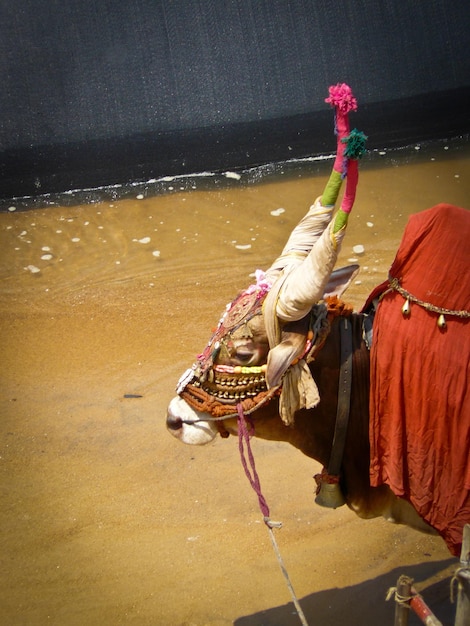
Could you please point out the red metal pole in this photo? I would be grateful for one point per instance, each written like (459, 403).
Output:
(406, 599)
(422, 610)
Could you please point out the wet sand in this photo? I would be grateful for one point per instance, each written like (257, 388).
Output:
(105, 518)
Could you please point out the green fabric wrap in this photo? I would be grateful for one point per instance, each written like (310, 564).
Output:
(340, 221)
(331, 191)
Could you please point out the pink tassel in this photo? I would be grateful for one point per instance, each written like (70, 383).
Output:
(342, 98)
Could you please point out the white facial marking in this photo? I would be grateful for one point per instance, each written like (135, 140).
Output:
(192, 432)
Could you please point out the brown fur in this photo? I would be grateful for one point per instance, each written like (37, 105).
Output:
(313, 430)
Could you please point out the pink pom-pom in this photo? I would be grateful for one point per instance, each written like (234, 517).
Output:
(341, 97)
(262, 285)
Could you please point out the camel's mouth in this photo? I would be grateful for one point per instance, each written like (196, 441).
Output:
(234, 387)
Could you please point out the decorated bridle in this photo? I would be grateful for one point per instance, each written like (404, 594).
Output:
(219, 390)
(216, 389)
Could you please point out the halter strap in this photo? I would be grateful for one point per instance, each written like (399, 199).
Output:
(344, 398)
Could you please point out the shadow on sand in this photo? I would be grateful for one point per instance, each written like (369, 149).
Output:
(363, 603)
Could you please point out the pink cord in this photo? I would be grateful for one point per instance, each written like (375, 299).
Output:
(351, 184)
(244, 436)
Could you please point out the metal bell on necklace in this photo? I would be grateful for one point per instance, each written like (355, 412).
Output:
(441, 321)
(406, 308)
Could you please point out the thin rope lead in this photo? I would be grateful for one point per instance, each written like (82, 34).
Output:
(298, 608)
(244, 438)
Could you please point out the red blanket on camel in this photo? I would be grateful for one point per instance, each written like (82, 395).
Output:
(420, 373)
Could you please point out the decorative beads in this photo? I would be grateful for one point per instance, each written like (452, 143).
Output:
(240, 369)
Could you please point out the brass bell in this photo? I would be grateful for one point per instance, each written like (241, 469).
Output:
(441, 322)
(406, 308)
(329, 495)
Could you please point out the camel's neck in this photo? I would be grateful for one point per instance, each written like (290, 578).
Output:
(313, 430)
(320, 422)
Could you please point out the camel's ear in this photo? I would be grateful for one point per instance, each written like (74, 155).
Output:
(340, 280)
(291, 347)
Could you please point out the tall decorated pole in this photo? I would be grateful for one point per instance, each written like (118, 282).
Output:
(350, 146)
(299, 276)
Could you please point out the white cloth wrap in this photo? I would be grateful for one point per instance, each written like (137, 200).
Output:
(302, 239)
(305, 283)
(299, 276)
(299, 391)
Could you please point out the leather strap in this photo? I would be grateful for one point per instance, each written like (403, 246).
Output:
(344, 398)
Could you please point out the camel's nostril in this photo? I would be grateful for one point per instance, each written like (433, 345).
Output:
(174, 423)
(187, 425)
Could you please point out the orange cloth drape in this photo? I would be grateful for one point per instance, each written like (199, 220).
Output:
(420, 374)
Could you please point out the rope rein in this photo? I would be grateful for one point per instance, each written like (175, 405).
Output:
(252, 475)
